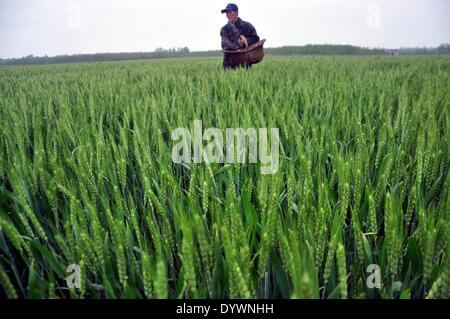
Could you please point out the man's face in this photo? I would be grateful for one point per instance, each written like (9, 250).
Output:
(232, 16)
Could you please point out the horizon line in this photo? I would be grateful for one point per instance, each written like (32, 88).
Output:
(219, 50)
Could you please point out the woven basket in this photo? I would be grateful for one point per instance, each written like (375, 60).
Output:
(243, 57)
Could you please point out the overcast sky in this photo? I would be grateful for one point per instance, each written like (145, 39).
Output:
(53, 27)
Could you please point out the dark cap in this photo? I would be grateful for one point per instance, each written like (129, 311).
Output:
(230, 7)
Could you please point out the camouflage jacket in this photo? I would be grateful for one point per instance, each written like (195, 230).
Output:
(230, 34)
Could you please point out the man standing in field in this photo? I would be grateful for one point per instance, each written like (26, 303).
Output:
(236, 34)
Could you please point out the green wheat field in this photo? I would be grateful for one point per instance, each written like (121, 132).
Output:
(87, 178)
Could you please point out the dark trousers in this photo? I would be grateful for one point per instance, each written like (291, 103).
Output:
(227, 65)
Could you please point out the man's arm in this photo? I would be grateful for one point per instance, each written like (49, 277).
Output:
(250, 34)
(227, 43)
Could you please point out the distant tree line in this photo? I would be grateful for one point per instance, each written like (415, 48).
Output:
(325, 49)
(311, 49)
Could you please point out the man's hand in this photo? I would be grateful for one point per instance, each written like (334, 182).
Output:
(243, 42)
